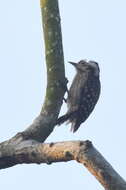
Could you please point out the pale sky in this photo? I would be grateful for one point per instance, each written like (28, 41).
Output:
(91, 29)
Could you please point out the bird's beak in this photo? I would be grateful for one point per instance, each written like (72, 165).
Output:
(74, 64)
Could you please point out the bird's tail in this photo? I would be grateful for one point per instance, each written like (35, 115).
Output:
(62, 119)
(66, 117)
(75, 125)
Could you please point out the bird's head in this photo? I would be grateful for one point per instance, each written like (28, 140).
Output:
(85, 65)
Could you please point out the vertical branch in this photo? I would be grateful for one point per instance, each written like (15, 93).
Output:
(56, 82)
(53, 52)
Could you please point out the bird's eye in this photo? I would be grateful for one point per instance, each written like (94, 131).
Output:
(82, 62)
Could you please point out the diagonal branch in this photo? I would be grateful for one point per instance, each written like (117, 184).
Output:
(81, 151)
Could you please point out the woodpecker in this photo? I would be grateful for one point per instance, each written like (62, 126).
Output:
(83, 93)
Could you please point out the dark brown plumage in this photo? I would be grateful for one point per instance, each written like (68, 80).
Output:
(83, 94)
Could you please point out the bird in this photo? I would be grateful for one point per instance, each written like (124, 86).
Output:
(83, 93)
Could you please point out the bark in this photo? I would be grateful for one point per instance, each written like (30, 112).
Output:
(44, 124)
(81, 151)
(56, 81)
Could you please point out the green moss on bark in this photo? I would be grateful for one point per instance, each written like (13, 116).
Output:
(54, 54)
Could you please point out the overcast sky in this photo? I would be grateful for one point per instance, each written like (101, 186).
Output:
(91, 30)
